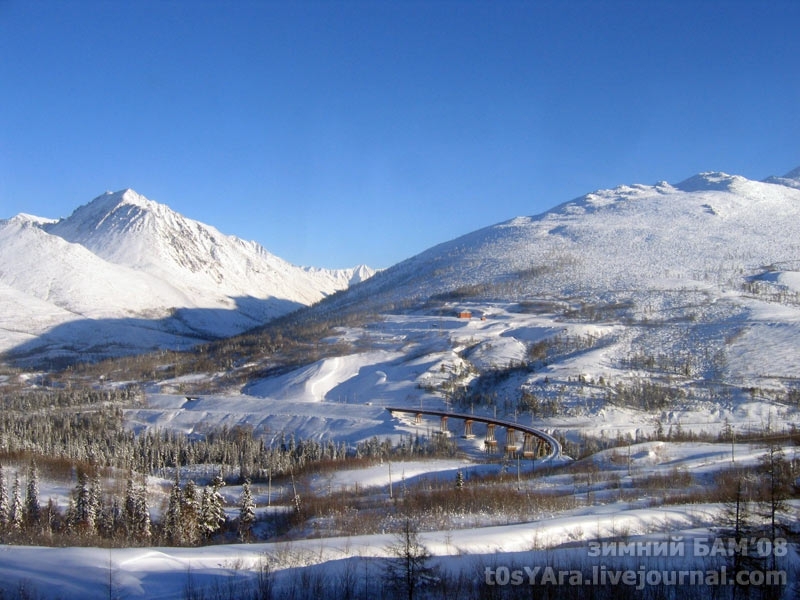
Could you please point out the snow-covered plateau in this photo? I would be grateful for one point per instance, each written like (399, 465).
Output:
(653, 329)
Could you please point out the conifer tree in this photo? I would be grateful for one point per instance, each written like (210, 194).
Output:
(96, 495)
(776, 481)
(408, 569)
(129, 508)
(212, 513)
(50, 515)
(16, 516)
(247, 512)
(4, 505)
(737, 522)
(143, 524)
(190, 514)
(110, 519)
(172, 520)
(85, 514)
(135, 513)
(202, 523)
(33, 510)
(71, 516)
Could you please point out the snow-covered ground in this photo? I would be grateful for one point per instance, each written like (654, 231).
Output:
(344, 399)
(416, 356)
(161, 572)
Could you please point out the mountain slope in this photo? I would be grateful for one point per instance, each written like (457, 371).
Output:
(620, 311)
(123, 256)
(127, 229)
(710, 230)
(791, 179)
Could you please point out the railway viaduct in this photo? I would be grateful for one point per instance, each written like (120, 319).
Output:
(535, 442)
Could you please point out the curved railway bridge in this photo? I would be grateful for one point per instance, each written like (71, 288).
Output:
(535, 442)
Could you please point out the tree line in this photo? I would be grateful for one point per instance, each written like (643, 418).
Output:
(80, 435)
(98, 515)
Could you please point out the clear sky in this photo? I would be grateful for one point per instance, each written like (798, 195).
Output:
(344, 132)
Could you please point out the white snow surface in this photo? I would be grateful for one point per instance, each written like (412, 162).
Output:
(561, 540)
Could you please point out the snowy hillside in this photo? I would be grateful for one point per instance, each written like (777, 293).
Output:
(124, 273)
(700, 277)
(710, 230)
(691, 287)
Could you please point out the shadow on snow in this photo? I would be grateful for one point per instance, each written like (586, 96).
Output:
(90, 340)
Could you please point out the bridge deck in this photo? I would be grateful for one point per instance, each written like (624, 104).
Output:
(553, 443)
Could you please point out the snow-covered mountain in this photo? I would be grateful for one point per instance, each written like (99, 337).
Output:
(688, 251)
(609, 315)
(712, 229)
(124, 273)
(699, 280)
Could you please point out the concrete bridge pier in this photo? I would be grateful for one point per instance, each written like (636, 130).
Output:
(529, 445)
(468, 435)
(511, 442)
(443, 430)
(490, 443)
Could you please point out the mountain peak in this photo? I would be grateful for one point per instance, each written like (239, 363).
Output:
(791, 179)
(710, 181)
(111, 213)
(127, 229)
(127, 197)
(130, 196)
(793, 174)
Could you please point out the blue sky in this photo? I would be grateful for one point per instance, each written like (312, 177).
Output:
(337, 133)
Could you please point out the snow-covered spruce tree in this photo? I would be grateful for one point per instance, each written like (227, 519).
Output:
(247, 513)
(142, 524)
(110, 519)
(212, 513)
(190, 514)
(129, 507)
(71, 517)
(173, 533)
(16, 513)
(204, 523)
(136, 515)
(4, 506)
(33, 510)
(96, 495)
(85, 510)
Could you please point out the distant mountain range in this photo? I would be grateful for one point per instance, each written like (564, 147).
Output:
(125, 274)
